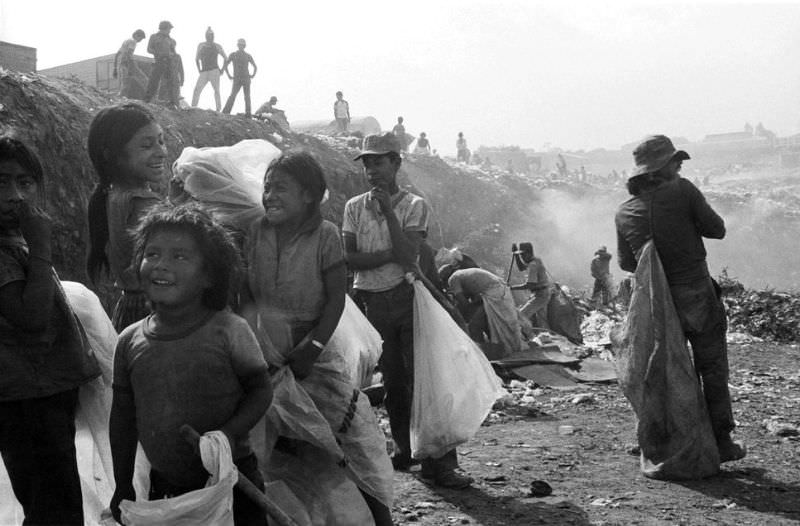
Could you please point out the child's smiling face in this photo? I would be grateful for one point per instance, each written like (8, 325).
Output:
(143, 157)
(284, 200)
(17, 185)
(172, 272)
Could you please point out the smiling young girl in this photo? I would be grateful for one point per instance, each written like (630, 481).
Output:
(126, 146)
(296, 270)
(192, 361)
(43, 356)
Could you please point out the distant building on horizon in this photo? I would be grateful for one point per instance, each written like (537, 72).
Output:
(96, 72)
(17, 58)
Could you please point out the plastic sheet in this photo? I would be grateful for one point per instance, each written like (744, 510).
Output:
(228, 179)
(210, 505)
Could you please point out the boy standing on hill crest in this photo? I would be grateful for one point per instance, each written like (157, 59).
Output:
(382, 231)
(241, 76)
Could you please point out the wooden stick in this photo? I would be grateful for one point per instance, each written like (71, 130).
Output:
(246, 486)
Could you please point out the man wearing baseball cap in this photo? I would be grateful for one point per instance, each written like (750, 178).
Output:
(162, 47)
(672, 212)
(382, 231)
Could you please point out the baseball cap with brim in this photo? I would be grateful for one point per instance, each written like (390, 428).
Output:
(654, 153)
(165, 24)
(379, 145)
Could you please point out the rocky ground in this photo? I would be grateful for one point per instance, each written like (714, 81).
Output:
(579, 441)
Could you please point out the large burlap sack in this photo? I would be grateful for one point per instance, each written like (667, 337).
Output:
(454, 384)
(563, 316)
(657, 375)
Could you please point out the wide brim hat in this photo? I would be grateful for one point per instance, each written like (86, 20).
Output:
(379, 144)
(654, 153)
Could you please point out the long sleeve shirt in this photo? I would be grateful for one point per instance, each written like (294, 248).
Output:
(677, 217)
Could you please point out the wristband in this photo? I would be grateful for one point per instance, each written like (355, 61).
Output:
(319, 345)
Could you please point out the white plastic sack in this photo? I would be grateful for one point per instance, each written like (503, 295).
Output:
(210, 505)
(229, 179)
(454, 384)
(358, 344)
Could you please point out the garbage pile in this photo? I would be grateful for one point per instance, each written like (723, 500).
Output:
(762, 313)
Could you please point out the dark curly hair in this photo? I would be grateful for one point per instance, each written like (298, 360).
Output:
(221, 259)
(111, 129)
(304, 168)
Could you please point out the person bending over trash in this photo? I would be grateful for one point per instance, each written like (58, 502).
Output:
(486, 303)
(673, 213)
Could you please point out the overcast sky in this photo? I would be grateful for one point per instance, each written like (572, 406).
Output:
(576, 75)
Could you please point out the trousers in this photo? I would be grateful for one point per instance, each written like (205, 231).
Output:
(391, 312)
(702, 316)
(37, 443)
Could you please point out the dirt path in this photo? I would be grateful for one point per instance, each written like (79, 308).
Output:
(596, 480)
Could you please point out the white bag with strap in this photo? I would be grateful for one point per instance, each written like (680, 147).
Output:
(454, 384)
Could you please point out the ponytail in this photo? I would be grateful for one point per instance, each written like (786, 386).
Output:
(111, 129)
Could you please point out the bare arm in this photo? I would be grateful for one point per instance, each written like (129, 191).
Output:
(363, 260)
(28, 304)
(123, 436)
(255, 68)
(254, 403)
(197, 59)
(304, 355)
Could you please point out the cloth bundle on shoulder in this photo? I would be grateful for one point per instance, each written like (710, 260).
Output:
(657, 375)
(454, 384)
(229, 179)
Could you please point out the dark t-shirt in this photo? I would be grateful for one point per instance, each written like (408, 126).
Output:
(240, 61)
(681, 218)
(208, 52)
(193, 378)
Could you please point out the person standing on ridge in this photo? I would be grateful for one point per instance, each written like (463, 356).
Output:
(207, 62)
(341, 112)
(125, 67)
(399, 131)
(671, 211)
(462, 152)
(162, 47)
(241, 76)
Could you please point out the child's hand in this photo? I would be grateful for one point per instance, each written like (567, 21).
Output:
(121, 493)
(302, 358)
(35, 225)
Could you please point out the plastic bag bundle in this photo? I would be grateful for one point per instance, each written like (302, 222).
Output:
(454, 384)
(657, 375)
(210, 505)
(357, 344)
(229, 179)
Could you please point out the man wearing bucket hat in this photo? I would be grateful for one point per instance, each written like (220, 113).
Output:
(382, 230)
(672, 212)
